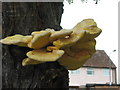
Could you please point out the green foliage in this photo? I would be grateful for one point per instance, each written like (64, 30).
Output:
(71, 1)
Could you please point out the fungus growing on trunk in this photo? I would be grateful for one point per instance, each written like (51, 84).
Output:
(45, 56)
(17, 39)
(39, 40)
(28, 61)
(59, 34)
(67, 42)
(71, 48)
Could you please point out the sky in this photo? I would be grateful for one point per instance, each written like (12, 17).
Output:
(105, 14)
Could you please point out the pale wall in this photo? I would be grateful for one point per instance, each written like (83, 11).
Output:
(83, 78)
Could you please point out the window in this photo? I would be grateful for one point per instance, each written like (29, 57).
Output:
(75, 72)
(106, 72)
(90, 71)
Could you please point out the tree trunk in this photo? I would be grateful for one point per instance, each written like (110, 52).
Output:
(24, 18)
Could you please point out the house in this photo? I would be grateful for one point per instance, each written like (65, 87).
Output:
(99, 69)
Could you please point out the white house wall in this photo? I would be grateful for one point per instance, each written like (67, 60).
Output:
(83, 78)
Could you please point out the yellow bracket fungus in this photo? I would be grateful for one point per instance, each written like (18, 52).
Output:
(51, 48)
(66, 42)
(90, 27)
(71, 48)
(43, 55)
(40, 39)
(17, 39)
(28, 61)
(74, 61)
(59, 34)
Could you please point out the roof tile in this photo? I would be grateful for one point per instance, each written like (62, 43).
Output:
(100, 60)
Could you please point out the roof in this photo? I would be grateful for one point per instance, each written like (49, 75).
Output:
(100, 60)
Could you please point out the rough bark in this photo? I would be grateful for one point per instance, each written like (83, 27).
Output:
(24, 18)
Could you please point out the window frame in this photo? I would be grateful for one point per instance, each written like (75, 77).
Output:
(74, 72)
(90, 70)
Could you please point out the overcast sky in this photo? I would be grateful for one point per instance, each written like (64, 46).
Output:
(105, 13)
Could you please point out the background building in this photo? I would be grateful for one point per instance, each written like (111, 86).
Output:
(99, 69)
